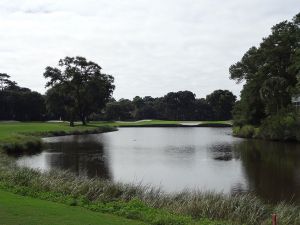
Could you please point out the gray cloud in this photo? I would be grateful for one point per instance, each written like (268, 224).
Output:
(151, 47)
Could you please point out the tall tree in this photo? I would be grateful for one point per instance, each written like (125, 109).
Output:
(221, 102)
(81, 82)
(270, 73)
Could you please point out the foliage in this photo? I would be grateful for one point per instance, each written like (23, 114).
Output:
(222, 102)
(181, 105)
(247, 131)
(17, 103)
(282, 126)
(120, 110)
(270, 73)
(80, 85)
(79, 91)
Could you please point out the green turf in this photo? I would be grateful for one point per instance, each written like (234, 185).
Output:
(8, 129)
(15, 209)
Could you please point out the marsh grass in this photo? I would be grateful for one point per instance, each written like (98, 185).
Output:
(146, 203)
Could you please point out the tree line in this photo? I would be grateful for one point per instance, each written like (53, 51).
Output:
(181, 105)
(78, 90)
(19, 103)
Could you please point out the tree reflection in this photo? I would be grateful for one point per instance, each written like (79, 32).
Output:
(81, 155)
(271, 168)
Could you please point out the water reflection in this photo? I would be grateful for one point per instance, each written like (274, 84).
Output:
(271, 168)
(222, 151)
(82, 155)
(178, 158)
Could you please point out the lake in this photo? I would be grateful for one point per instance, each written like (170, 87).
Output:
(179, 158)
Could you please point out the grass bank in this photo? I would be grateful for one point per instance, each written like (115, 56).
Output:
(16, 209)
(26, 137)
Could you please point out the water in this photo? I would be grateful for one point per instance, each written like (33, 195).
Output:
(178, 158)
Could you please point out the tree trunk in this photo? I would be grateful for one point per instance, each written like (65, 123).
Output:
(71, 119)
(83, 120)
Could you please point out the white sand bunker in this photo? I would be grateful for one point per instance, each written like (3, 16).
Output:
(138, 121)
(190, 123)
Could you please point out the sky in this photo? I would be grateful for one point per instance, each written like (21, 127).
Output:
(151, 47)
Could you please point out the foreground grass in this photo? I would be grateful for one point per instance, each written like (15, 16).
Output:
(16, 209)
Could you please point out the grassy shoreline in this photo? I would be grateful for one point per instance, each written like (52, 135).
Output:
(26, 140)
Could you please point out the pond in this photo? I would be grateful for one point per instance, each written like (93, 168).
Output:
(180, 158)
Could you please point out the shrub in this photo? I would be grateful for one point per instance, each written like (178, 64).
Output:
(283, 126)
(247, 131)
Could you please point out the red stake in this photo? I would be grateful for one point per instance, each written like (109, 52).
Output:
(274, 219)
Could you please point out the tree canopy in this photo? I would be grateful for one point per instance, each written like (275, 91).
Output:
(270, 72)
(80, 86)
(181, 105)
(18, 103)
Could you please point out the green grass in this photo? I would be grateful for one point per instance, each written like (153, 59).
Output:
(16, 209)
(9, 129)
(26, 137)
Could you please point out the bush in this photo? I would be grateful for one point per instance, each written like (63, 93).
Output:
(247, 131)
(283, 126)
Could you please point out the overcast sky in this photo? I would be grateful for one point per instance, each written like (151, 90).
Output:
(151, 47)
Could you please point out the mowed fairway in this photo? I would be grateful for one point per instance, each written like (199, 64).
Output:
(20, 210)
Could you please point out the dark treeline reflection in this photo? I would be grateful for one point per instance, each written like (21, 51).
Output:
(272, 169)
(82, 155)
(79, 154)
